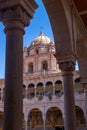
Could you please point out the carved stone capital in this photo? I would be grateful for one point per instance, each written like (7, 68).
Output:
(17, 10)
(65, 57)
(16, 13)
(67, 66)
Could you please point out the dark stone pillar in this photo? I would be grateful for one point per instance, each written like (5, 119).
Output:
(85, 91)
(15, 15)
(69, 104)
(13, 76)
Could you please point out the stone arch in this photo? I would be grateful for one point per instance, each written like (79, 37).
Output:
(80, 118)
(31, 90)
(61, 26)
(48, 88)
(54, 118)
(35, 119)
(40, 89)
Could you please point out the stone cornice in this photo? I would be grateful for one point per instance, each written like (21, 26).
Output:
(40, 77)
(40, 54)
(33, 77)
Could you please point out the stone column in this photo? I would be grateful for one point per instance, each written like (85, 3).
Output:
(26, 92)
(13, 76)
(44, 88)
(54, 89)
(26, 123)
(15, 15)
(44, 126)
(82, 61)
(35, 91)
(69, 104)
(54, 96)
(85, 90)
(44, 119)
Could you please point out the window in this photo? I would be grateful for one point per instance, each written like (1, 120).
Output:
(37, 51)
(44, 65)
(30, 68)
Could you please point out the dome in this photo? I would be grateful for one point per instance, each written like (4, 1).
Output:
(41, 39)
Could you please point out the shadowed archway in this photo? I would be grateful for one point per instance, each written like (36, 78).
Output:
(35, 120)
(54, 118)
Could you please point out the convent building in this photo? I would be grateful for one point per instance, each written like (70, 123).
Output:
(43, 90)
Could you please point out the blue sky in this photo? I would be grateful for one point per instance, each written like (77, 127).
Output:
(40, 20)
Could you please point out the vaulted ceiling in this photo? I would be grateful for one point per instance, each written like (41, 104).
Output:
(81, 6)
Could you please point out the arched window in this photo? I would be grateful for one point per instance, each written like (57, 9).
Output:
(49, 88)
(80, 118)
(35, 119)
(40, 89)
(54, 118)
(31, 92)
(30, 68)
(44, 65)
(58, 88)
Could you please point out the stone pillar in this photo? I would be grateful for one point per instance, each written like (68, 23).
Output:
(69, 104)
(85, 90)
(13, 76)
(26, 123)
(44, 122)
(26, 92)
(44, 89)
(44, 119)
(54, 89)
(35, 92)
(15, 15)
(54, 96)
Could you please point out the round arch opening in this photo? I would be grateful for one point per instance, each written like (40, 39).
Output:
(80, 118)
(54, 118)
(35, 119)
(31, 91)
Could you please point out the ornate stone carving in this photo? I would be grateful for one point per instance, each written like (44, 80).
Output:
(16, 13)
(17, 10)
(67, 66)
